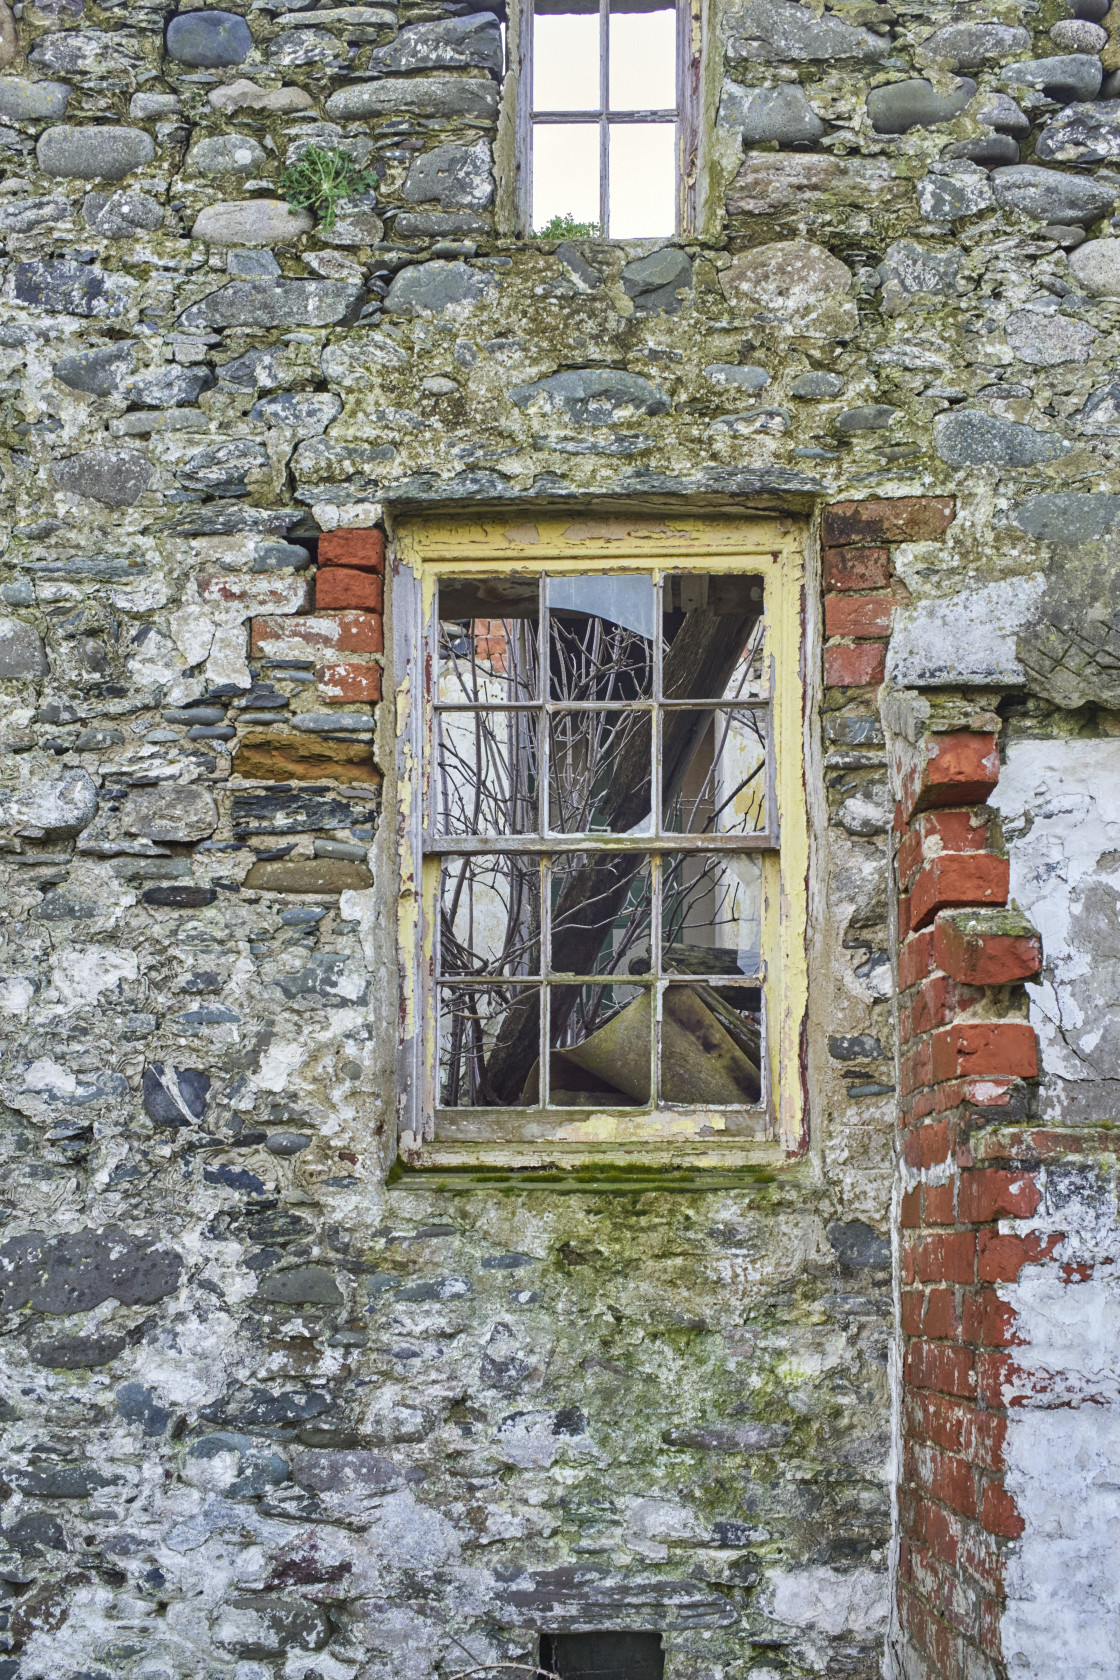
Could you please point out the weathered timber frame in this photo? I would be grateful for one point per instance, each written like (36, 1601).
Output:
(427, 551)
(685, 114)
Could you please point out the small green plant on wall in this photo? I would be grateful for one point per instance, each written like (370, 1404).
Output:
(320, 179)
(566, 227)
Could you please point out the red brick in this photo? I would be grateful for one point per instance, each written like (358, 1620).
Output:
(1000, 1259)
(936, 1144)
(917, 1067)
(855, 665)
(991, 1193)
(303, 638)
(907, 519)
(913, 1306)
(946, 1257)
(909, 1218)
(940, 1319)
(999, 1513)
(940, 1366)
(971, 948)
(915, 959)
(340, 587)
(363, 550)
(857, 568)
(957, 879)
(959, 769)
(938, 1204)
(970, 1048)
(858, 615)
(989, 1322)
(939, 1000)
(951, 1480)
(349, 679)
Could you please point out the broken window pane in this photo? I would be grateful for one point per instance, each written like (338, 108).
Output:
(601, 1050)
(566, 55)
(599, 772)
(711, 1045)
(643, 180)
(713, 628)
(471, 1021)
(488, 630)
(485, 779)
(490, 919)
(601, 643)
(723, 790)
(601, 910)
(711, 913)
(643, 57)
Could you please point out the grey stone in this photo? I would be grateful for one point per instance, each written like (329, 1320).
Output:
(859, 1047)
(117, 55)
(121, 215)
(269, 1625)
(333, 723)
(587, 278)
(1068, 517)
(58, 809)
(858, 1244)
(910, 270)
(742, 378)
(458, 43)
(1071, 76)
(287, 1143)
(991, 151)
(593, 396)
(149, 107)
(656, 283)
(1000, 111)
(257, 221)
(276, 303)
(168, 386)
(796, 281)
(310, 1286)
(1101, 409)
(1048, 340)
(94, 153)
(1069, 642)
(357, 222)
(226, 154)
(23, 215)
(872, 417)
(174, 1096)
(293, 811)
(25, 101)
(98, 740)
(76, 1272)
(1082, 134)
(973, 46)
(1052, 195)
(776, 31)
(170, 813)
(322, 467)
(223, 469)
(816, 386)
(969, 438)
(71, 288)
(354, 1472)
(436, 286)
(209, 40)
(256, 370)
(327, 980)
(139, 1405)
(730, 1437)
(252, 265)
(306, 414)
(255, 1466)
(1078, 35)
(783, 113)
(456, 177)
(432, 224)
(22, 658)
(583, 1595)
(306, 48)
(76, 1353)
(99, 372)
(58, 1481)
(956, 190)
(1096, 267)
(901, 106)
(419, 96)
(117, 477)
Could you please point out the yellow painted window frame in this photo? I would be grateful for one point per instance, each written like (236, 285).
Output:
(425, 549)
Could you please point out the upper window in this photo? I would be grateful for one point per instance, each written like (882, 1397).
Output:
(604, 117)
(602, 838)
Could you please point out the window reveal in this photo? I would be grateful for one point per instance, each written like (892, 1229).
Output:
(600, 757)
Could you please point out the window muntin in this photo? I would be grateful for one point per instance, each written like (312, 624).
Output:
(604, 109)
(582, 872)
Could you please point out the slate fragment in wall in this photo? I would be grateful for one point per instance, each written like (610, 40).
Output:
(71, 288)
(121, 215)
(457, 43)
(782, 114)
(174, 1096)
(973, 46)
(276, 303)
(98, 372)
(1069, 645)
(176, 814)
(589, 1595)
(802, 182)
(296, 811)
(117, 56)
(778, 32)
(455, 177)
(970, 438)
(420, 96)
(1086, 133)
(22, 656)
(1052, 195)
(593, 396)
(256, 1625)
(432, 287)
(76, 1272)
(659, 283)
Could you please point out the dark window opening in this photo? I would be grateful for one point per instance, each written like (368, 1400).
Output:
(603, 1656)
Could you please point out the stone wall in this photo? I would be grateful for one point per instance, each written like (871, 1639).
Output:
(267, 1414)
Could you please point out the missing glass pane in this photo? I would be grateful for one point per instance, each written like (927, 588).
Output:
(723, 790)
(643, 58)
(643, 180)
(566, 55)
(711, 913)
(713, 627)
(485, 777)
(603, 1656)
(599, 771)
(472, 1022)
(566, 177)
(490, 917)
